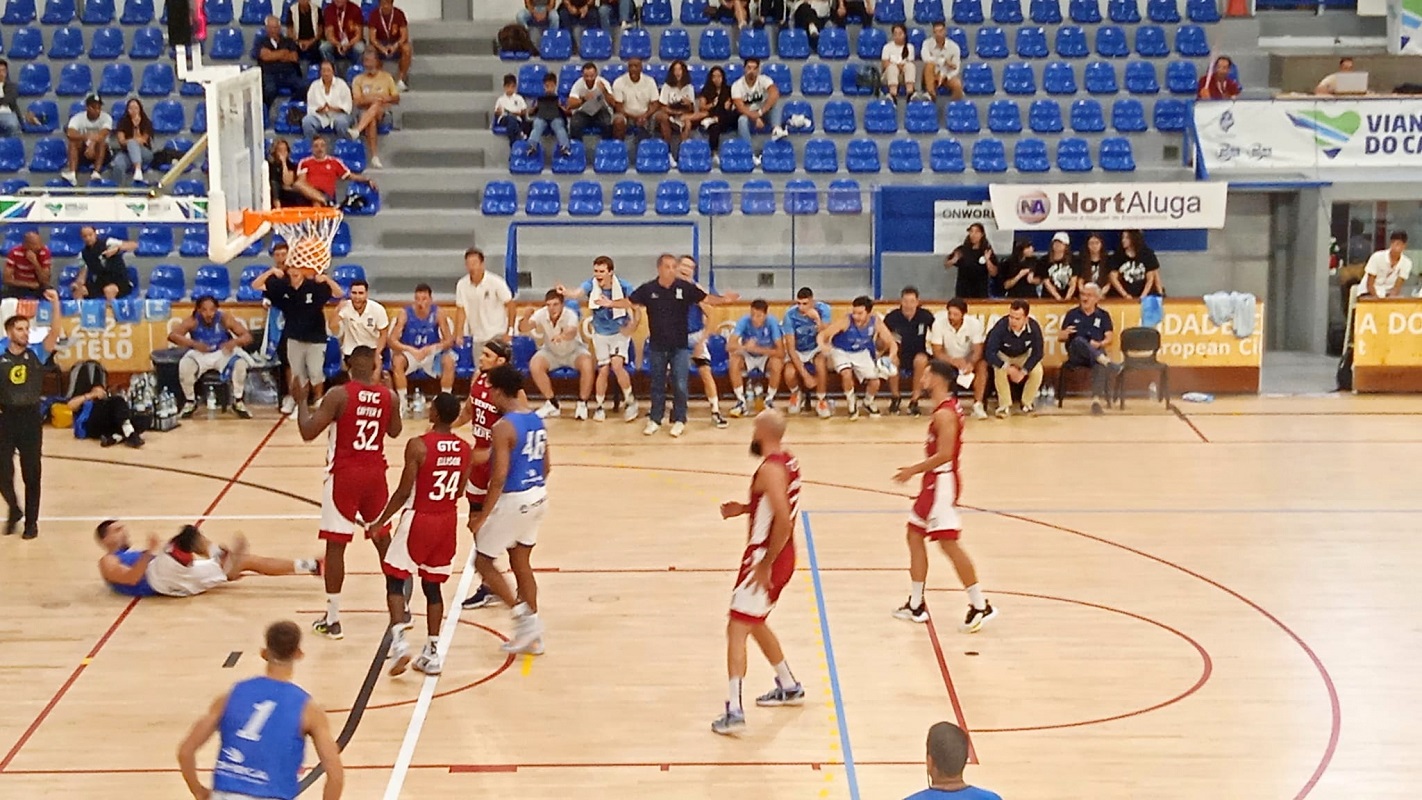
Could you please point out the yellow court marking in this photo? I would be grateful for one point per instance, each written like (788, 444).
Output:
(527, 666)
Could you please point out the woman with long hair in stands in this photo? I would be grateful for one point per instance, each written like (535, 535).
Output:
(288, 188)
(978, 273)
(1135, 271)
(678, 107)
(135, 140)
(1093, 264)
(718, 112)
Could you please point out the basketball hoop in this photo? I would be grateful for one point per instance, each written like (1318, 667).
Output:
(308, 232)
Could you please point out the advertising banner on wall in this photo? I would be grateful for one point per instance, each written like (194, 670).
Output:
(951, 219)
(1304, 135)
(1096, 206)
(1404, 27)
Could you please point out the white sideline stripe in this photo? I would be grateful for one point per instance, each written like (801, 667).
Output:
(422, 705)
(185, 517)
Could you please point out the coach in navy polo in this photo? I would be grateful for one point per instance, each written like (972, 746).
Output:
(1088, 332)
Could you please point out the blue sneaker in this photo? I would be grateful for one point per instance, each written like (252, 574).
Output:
(729, 723)
(481, 598)
(780, 696)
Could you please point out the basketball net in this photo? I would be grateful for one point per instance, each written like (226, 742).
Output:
(308, 233)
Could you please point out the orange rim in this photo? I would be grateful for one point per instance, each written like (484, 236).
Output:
(252, 220)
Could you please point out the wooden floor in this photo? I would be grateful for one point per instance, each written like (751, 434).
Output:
(1221, 603)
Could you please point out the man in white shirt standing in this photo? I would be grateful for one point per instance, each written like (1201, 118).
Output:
(958, 339)
(328, 104)
(1387, 270)
(559, 334)
(757, 98)
(362, 321)
(485, 305)
(88, 136)
(942, 64)
(589, 103)
(635, 98)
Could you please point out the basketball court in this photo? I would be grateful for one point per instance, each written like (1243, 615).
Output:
(1206, 604)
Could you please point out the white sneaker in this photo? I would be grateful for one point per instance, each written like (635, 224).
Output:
(677, 429)
(527, 633)
(352, 133)
(755, 160)
(138, 174)
(581, 412)
(626, 26)
(288, 405)
(548, 410)
(400, 652)
(629, 414)
(652, 427)
(69, 176)
(376, 163)
(707, 123)
(429, 662)
(674, 165)
(401, 86)
(979, 412)
(96, 176)
(600, 414)
(778, 133)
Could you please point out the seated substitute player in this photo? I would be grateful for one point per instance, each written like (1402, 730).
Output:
(215, 341)
(561, 345)
(851, 347)
(612, 333)
(437, 467)
(421, 340)
(935, 511)
(756, 346)
(188, 564)
(766, 568)
(910, 325)
(802, 326)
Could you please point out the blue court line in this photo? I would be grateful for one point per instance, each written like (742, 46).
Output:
(849, 773)
(1101, 511)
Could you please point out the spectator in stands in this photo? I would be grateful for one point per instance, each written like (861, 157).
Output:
(1018, 273)
(344, 26)
(590, 103)
(958, 339)
(1014, 349)
(802, 325)
(422, 340)
(540, 14)
(897, 64)
(1135, 271)
(580, 14)
(301, 298)
(757, 100)
(389, 37)
(556, 328)
(910, 324)
(328, 104)
(88, 136)
(324, 172)
(1329, 84)
(1087, 331)
(547, 117)
(375, 94)
(624, 11)
(1093, 264)
(362, 322)
(611, 328)
(214, 343)
(947, 756)
(103, 275)
(1055, 271)
(1218, 84)
(135, 142)
(1387, 270)
(844, 9)
(735, 12)
(27, 268)
(302, 21)
(852, 344)
(942, 64)
(756, 345)
(635, 99)
(279, 59)
(976, 264)
(677, 107)
(811, 16)
(486, 307)
(511, 111)
(10, 114)
(718, 111)
(288, 187)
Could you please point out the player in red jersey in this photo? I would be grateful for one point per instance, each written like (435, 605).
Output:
(766, 567)
(360, 414)
(935, 511)
(427, 500)
(483, 413)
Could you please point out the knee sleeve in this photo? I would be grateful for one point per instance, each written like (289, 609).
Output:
(432, 593)
(395, 585)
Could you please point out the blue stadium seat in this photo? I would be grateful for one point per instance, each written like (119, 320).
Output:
(585, 199)
(147, 44)
(802, 198)
(673, 199)
(64, 241)
(12, 158)
(500, 198)
(636, 43)
(921, 116)
(1085, 12)
(522, 162)
(757, 198)
(928, 11)
(75, 80)
(1007, 12)
(887, 12)
(46, 112)
(989, 155)
(610, 157)
(58, 12)
(905, 156)
(574, 163)
(1180, 77)
(968, 12)
(1058, 78)
(780, 74)
(844, 198)
(1111, 42)
(245, 292)
(849, 83)
(653, 157)
(674, 44)
(18, 12)
(98, 12)
(961, 116)
(157, 80)
(595, 45)
(833, 44)
(1150, 41)
(226, 44)
(736, 156)
(1032, 43)
(66, 43)
(960, 38)
(870, 46)
(137, 12)
(218, 12)
(713, 199)
(568, 74)
(1163, 12)
(816, 81)
(67, 276)
(544, 199)
(194, 242)
(1128, 116)
(693, 12)
(530, 79)
(1100, 78)
(992, 43)
(714, 45)
(1140, 78)
(753, 43)
(346, 274)
(107, 44)
(821, 155)
(255, 12)
(861, 155)
(657, 12)
(1203, 11)
(694, 157)
(838, 117)
(881, 116)
(792, 44)
(371, 196)
(213, 280)
(1116, 155)
(1046, 12)
(1170, 115)
(524, 348)
(1123, 12)
(977, 80)
(117, 80)
(1073, 155)
(1071, 42)
(1004, 117)
(351, 153)
(556, 45)
(799, 108)
(1087, 117)
(26, 44)
(777, 157)
(167, 282)
(1030, 155)
(1018, 78)
(280, 116)
(1190, 41)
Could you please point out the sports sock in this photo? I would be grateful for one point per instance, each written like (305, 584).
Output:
(733, 697)
(521, 610)
(397, 633)
(852, 399)
(975, 597)
(432, 643)
(600, 399)
(627, 394)
(216, 553)
(785, 676)
(715, 404)
(740, 392)
(333, 608)
(305, 565)
(915, 594)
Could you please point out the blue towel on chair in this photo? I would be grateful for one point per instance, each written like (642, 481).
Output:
(128, 310)
(94, 314)
(44, 314)
(159, 310)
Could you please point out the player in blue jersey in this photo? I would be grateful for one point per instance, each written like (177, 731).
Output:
(263, 724)
(611, 333)
(756, 345)
(852, 344)
(186, 565)
(215, 342)
(514, 507)
(697, 338)
(421, 340)
(947, 756)
(802, 325)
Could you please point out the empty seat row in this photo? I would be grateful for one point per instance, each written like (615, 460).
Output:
(106, 44)
(135, 12)
(1003, 116)
(77, 80)
(967, 12)
(673, 198)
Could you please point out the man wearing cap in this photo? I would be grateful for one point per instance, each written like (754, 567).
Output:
(88, 138)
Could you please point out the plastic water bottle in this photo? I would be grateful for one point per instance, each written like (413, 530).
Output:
(211, 403)
(417, 405)
(1154, 392)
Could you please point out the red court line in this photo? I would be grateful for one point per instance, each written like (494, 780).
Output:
(952, 692)
(1191, 423)
(123, 615)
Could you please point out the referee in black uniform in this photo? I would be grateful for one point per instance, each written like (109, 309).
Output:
(21, 425)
